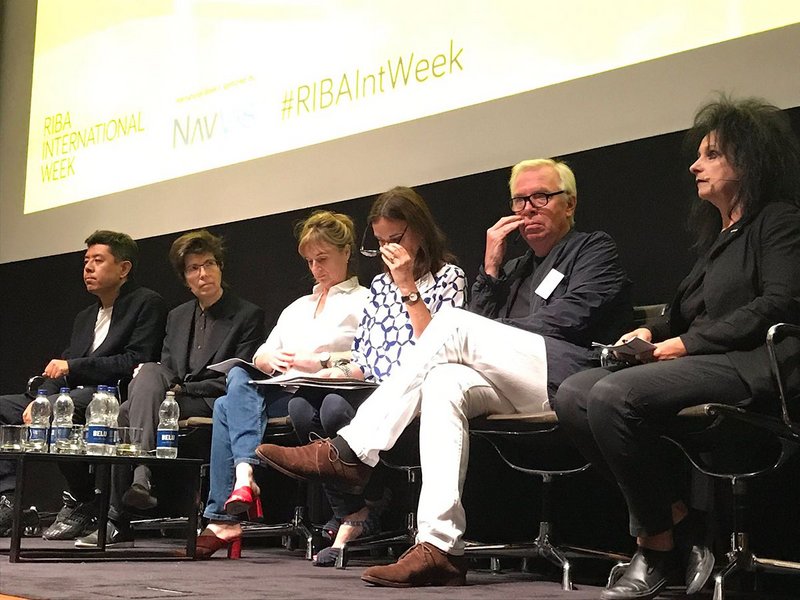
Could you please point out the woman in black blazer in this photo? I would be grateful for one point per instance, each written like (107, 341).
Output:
(711, 346)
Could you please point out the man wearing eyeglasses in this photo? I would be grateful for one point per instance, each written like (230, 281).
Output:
(531, 324)
(214, 326)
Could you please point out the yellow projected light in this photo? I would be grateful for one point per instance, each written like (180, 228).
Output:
(130, 93)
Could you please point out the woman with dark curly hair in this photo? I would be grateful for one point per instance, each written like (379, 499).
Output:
(711, 345)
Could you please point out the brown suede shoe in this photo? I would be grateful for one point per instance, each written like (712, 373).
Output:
(318, 460)
(423, 564)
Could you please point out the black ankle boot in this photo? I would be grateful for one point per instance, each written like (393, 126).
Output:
(648, 572)
(693, 552)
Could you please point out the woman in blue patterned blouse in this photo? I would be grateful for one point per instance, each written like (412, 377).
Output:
(418, 280)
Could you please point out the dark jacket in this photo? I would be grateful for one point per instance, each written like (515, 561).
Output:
(750, 280)
(237, 332)
(134, 336)
(591, 303)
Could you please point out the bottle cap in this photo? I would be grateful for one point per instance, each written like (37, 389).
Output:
(64, 390)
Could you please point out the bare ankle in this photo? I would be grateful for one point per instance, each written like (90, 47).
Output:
(351, 527)
(225, 530)
(244, 476)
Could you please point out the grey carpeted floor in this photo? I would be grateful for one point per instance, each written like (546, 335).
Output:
(263, 572)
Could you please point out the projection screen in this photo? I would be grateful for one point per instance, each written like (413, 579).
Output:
(160, 115)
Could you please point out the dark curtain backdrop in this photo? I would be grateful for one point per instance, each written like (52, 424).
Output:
(637, 191)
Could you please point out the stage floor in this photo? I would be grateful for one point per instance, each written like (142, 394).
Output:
(263, 572)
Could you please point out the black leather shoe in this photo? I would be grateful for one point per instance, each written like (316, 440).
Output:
(138, 496)
(699, 564)
(698, 558)
(74, 520)
(117, 536)
(648, 572)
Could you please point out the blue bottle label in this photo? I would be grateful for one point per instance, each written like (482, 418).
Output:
(37, 434)
(166, 438)
(112, 436)
(61, 433)
(96, 434)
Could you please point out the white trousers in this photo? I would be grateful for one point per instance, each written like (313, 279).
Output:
(462, 366)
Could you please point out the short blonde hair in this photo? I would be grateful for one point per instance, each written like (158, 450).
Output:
(325, 226)
(565, 174)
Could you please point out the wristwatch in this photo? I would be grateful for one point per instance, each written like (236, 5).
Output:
(412, 298)
(325, 359)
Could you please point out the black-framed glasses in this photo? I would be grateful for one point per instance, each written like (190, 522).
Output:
(536, 200)
(195, 269)
(373, 252)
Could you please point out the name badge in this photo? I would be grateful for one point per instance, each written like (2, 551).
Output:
(549, 283)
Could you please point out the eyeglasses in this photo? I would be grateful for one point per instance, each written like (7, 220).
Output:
(536, 200)
(195, 269)
(373, 252)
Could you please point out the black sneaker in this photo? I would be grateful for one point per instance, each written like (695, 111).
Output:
(6, 515)
(30, 518)
(117, 536)
(75, 519)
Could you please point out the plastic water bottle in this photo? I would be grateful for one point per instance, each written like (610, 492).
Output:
(113, 420)
(40, 423)
(62, 421)
(97, 423)
(167, 434)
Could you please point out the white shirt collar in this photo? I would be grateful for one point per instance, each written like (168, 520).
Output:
(340, 288)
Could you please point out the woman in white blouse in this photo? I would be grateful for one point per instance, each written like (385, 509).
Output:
(418, 280)
(310, 333)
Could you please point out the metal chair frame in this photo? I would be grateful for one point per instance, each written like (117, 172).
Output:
(707, 418)
(531, 426)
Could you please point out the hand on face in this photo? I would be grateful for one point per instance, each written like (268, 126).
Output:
(400, 263)
(544, 226)
(496, 238)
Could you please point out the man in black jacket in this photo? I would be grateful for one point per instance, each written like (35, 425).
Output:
(214, 326)
(536, 318)
(123, 328)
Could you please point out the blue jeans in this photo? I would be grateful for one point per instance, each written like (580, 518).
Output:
(240, 417)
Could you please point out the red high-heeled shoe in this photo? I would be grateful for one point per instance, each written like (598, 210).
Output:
(209, 543)
(244, 499)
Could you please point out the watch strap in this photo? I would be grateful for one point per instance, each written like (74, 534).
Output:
(411, 298)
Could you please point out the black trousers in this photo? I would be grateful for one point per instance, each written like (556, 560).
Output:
(11, 408)
(615, 417)
(324, 414)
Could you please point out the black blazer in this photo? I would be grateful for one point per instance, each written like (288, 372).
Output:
(238, 331)
(591, 303)
(751, 280)
(134, 336)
